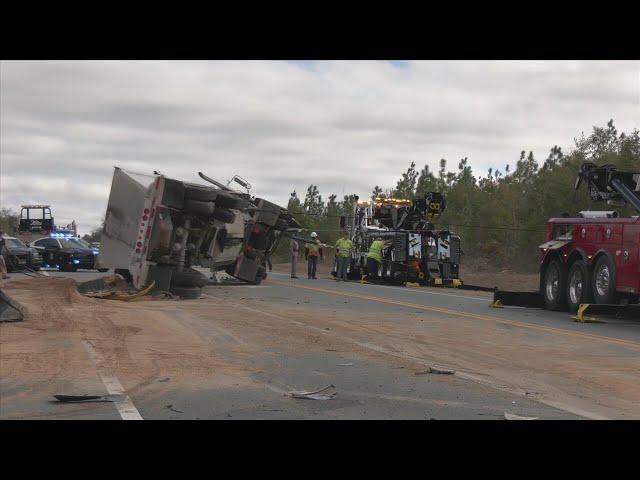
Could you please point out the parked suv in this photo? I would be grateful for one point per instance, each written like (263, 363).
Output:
(19, 255)
(66, 253)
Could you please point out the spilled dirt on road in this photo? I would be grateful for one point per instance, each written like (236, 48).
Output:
(138, 342)
(225, 338)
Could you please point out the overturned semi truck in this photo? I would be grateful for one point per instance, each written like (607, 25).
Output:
(157, 228)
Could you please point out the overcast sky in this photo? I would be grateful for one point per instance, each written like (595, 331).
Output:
(345, 126)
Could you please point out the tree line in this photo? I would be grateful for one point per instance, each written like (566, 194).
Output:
(501, 215)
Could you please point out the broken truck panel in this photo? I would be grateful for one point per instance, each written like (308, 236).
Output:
(157, 228)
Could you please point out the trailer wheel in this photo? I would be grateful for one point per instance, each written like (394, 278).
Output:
(221, 198)
(188, 278)
(578, 285)
(555, 285)
(604, 280)
(201, 194)
(224, 215)
(188, 293)
(229, 201)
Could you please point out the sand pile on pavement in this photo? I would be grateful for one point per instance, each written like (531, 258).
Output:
(138, 342)
(57, 290)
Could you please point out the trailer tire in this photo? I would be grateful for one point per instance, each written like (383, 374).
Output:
(578, 285)
(188, 293)
(224, 215)
(203, 194)
(188, 278)
(261, 274)
(604, 281)
(228, 201)
(554, 285)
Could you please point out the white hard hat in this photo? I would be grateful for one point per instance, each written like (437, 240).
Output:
(314, 234)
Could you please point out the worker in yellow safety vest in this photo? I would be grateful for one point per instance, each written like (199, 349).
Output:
(343, 257)
(374, 257)
(311, 252)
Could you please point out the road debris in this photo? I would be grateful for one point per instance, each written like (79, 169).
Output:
(170, 407)
(315, 395)
(120, 295)
(513, 416)
(90, 398)
(344, 364)
(164, 379)
(438, 370)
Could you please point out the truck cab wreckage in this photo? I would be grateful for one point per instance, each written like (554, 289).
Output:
(157, 228)
(590, 263)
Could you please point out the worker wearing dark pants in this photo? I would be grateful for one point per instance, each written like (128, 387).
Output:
(312, 252)
(343, 256)
(374, 258)
(267, 260)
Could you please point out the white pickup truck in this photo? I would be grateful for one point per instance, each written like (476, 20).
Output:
(156, 228)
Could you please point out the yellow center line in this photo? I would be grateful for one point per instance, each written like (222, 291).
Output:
(475, 316)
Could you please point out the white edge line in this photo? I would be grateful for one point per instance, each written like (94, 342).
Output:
(126, 408)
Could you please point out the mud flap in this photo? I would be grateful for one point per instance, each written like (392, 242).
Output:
(617, 311)
(10, 310)
(517, 299)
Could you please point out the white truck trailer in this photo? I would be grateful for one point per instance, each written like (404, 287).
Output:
(156, 228)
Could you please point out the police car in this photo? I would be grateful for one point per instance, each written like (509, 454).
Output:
(66, 252)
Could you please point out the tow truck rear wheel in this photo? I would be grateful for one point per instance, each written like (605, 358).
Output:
(554, 286)
(604, 280)
(578, 286)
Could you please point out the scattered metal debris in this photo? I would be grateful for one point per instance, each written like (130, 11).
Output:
(344, 365)
(513, 416)
(315, 395)
(122, 296)
(90, 398)
(164, 379)
(170, 407)
(438, 370)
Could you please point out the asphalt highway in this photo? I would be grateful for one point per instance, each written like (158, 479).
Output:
(373, 343)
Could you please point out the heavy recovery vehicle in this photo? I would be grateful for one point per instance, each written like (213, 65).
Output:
(157, 228)
(591, 263)
(414, 251)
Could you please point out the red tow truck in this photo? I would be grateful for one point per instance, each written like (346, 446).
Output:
(591, 263)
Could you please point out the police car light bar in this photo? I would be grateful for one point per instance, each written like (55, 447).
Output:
(61, 235)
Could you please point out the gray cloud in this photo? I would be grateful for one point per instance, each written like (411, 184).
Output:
(344, 126)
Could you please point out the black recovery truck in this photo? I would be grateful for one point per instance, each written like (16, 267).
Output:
(414, 251)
